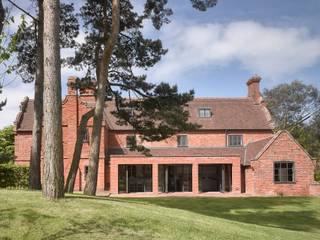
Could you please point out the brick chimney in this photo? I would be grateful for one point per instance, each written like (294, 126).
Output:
(254, 89)
(70, 83)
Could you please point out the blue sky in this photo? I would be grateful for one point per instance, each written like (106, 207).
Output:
(215, 52)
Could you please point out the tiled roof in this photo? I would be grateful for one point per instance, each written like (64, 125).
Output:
(183, 152)
(253, 148)
(227, 113)
(24, 120)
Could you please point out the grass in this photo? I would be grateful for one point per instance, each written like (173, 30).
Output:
(25, 215)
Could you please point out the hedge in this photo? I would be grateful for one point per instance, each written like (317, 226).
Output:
(14, 176)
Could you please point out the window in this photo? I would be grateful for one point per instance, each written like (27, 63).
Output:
(86, 170)
(86, 136)
(234, 140)
(205, 112)
(182, 141)
(283, 172)
(130, 141)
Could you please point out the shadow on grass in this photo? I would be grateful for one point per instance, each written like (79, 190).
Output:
(100, 227)
(289, 213)
(293, 213)
(104, 228)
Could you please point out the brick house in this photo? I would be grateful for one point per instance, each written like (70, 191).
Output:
(234, 152)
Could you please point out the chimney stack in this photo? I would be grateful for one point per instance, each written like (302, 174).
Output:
(254, 89)
(70, 85)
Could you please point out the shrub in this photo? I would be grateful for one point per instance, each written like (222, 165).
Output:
(317, 176)
(14, 176)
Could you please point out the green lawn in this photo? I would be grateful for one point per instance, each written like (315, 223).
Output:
(25, 215)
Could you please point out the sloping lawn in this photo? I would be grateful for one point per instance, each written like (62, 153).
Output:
(25, 215)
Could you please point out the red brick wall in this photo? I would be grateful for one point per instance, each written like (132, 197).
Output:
(70, 119)
(23, 141)
(315, 189)
(195, 139)
(260, 175)
(195, 161)
(22, 147)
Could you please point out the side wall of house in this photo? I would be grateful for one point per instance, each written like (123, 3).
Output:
(70, 120)
(260, 176)
(22, 147)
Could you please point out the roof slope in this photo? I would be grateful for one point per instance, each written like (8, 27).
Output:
(184, 152)
(227, 113)
(253, 148)
(24, 119)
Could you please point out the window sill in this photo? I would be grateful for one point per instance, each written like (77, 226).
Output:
(284, 182)
(182, 146)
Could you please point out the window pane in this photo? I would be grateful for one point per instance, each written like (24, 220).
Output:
(204, 112)
(284, 172)
(182, 141)
(283, 165)
(235, 140)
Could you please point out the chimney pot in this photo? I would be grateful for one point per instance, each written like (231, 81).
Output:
(70, 84)
(254, 89)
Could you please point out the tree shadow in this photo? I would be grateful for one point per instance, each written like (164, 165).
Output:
(115, 229)
(293, 213)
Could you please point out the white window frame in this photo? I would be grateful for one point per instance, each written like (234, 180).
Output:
(205, 109)
(231, 135)
(186, 140)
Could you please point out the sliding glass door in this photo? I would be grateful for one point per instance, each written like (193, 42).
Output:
(135, 178)
(175, 178)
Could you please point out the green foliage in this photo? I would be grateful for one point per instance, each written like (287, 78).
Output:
(203, 5)
(308, 135)
(26, 43)
(7, 48)
(317, 176)
(157, 110)
(14, 176)
(6, 145)
(296, 108)
(292, 104)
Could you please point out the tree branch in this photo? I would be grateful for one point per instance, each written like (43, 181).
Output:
(22, 10)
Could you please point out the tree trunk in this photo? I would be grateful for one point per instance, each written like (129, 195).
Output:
(35, 161)
(102, 77)
(77, 152)
(53, 179)
(2, 16)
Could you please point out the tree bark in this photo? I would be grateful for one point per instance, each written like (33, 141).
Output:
(53, 179)
(2, 16)
(77, 152)
(35, 161)
(102, 77)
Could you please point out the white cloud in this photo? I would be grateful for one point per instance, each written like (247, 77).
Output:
(270, 51)
(14, 94)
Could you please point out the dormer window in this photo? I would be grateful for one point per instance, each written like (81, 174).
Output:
(182, 141)
(204, 112)
(235, 140)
